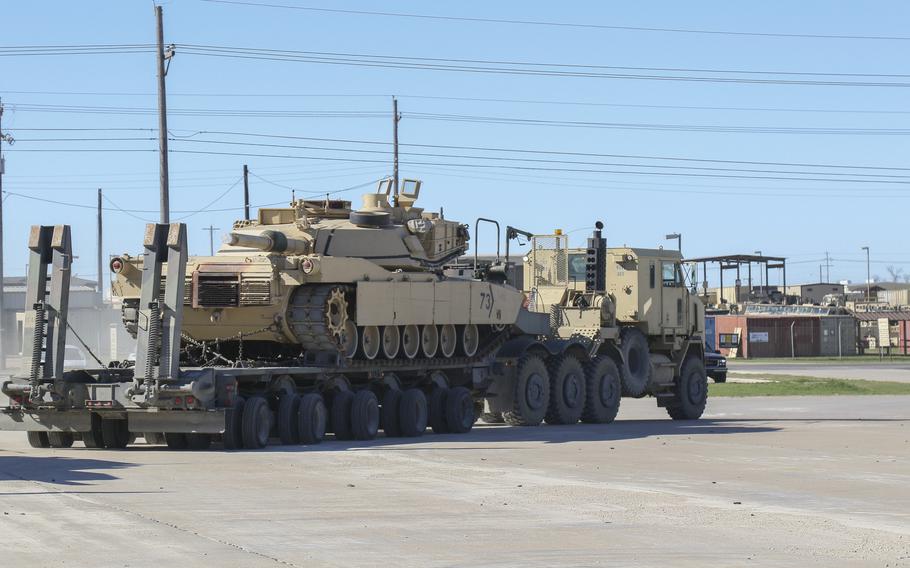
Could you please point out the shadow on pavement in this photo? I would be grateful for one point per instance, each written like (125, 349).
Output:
(55, 469)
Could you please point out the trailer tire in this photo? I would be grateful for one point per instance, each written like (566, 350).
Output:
(311, 418)
(198, 441)
(365, 415)
(38, 439)
(413, 413)
(389, 413)
(341, 415)
(437, 410)
(257, 423)
(60, 439)
(531, 394)
(176, 440)
(93, 438)
(115, 433)
(636, 368)
(232, 439)
(604, 391)
(690, 393)
(459, 410)
(288, 424)
(567, 390)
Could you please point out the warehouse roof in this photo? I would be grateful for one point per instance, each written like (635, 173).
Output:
(892, 315)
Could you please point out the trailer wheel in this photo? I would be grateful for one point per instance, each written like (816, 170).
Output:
(459, 410)
(567, 390)
(288, 424)
(257, 422)
(690, 394)
(389, 413)
(93, 438)
(341, 415)
(60, 439)
(311, 419)
(115, 433)
(531, 394)
(413, 413)
(604, 391)
(198, 441)
(437, 410)
(233, 425)
(636, 369)
(176, 440)
(365, 415)
(38, 439)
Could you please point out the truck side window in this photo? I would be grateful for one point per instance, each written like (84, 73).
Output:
(668, 274)
(652, 275)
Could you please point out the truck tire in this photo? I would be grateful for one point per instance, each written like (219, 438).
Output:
(389, 413)
(198, 441)
(636, 368)
(437, 409)
(531, 395)
(604, 391)
(257, 423)
(413, 413)
(459, 410)
(115, 433)
(690, 392)
(365, 415)
(233, 425)
(311, 418)
(176, 441)
(341, 415)
(567, 390)
(38, 439)
(93, 438)
(60, 439)
(288, 423)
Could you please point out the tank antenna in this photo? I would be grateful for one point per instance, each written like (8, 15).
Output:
(395, 118)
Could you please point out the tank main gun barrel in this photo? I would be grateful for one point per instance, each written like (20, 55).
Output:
(268, 241)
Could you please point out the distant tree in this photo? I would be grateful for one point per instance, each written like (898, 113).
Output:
(876, 278)
(906, 278)
(895, 273)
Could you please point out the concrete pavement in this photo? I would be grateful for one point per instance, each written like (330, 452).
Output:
(868, 370)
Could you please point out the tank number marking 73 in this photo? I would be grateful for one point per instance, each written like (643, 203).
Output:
(486, 301)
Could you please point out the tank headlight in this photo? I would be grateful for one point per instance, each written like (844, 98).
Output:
(309, 266)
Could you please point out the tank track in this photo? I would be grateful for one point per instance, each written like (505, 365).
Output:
(308, 316)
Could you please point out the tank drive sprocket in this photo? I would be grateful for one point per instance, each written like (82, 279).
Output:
(318, 316)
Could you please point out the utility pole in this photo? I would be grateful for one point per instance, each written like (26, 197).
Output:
(827, 267)
(163, 56)
(8, 139)
(246, 192)
(395, 119)
(211, 231)
(100, 253)
(868, 276)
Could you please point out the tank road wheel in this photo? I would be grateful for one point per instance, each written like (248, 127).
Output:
(691, 391)
(38, 439)
(410, 341)
(429, 340)
(413, 413)
(60, 439)
(437, 410)
(448, 340)
(567, 390)
(93, 438)
(233, 425)
(288, 408)
(370, 341)
(198, 441)
(470, 340)
(341, 415)
(532, 392)
(349, 339)
(389, 413)
(391, 341)
(604, 391)
(115, 433)
(257, 423)
(365, 415)
(311, 418)
(636, 370)
(459, 410)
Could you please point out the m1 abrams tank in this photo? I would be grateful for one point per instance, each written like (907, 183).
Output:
(321, 281)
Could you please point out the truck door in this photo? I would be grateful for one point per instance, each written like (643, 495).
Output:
(673, 301)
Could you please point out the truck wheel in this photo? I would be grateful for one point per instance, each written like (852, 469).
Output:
(311, 419)
(93, 438)
(636, 369)
(365, 415)
(176, 441)
(532, 393)
(288, 409)
(38, 439)
(459, 410)
(115, 433)
(389, 413)
(198, 441)
(690, 392)
(341, 415)
(567, 390)
(413, 413)
(233, 425)
(257, 422)
(604, 391)
(437, 410)
(60, 439)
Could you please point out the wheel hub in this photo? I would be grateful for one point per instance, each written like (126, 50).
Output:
(534, 392)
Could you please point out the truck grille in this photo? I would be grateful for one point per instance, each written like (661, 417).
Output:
(255, 291)
(218, 291)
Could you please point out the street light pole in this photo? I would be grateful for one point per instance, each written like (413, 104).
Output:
(868, 276)
(678, 237)
(761, 280)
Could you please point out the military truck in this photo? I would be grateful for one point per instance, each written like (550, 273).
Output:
(320, 318)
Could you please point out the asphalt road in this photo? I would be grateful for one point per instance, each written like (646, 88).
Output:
(872, 371)
(760, 481)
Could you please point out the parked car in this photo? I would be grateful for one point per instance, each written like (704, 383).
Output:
(73, 358)
(716, 365)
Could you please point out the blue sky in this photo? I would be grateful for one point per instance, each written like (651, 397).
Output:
(797, 218)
